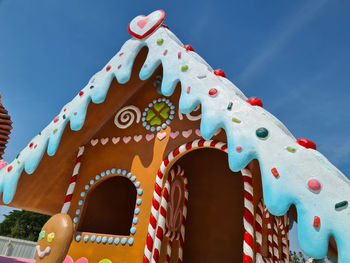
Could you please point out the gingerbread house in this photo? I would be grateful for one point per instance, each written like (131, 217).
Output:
(160, 158)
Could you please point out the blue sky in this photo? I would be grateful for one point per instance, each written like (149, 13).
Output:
(294, 55)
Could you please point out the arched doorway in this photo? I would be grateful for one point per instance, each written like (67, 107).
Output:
(214, 224)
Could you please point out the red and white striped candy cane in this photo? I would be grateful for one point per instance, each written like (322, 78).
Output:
(285, 247)
(269, 233)
(178, 235)
(276, 257)
(200, 143)
(258, 234)
(248, 217)
(161, 224)
(72, 183)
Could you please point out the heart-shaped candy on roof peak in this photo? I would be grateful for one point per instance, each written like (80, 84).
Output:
(142, 26)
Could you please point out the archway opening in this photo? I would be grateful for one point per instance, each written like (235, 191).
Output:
(214, 225)
(109, 207)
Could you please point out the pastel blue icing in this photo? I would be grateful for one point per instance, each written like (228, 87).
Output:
(131, 241)
(135, 220)
(214, 116)
(98, 239)
(110, 240)
(104, 240)
(78, 238)
(123, 241)
(116, 240)
(93, 238)
(86, 238)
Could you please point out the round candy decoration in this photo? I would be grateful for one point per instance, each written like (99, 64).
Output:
(142, 26)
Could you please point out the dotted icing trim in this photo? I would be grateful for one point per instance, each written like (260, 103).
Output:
(102, 238)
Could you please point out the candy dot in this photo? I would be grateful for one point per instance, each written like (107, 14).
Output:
(160, 41)
(255, 101)
(98, 239)
(342, 204)
(290, 149)
(9, 168)
(93, 238)
(179, 55)
(110, 240)
(316, 221)
(220, 72)
(314, 185)
(116, 240)
(239, 148)
(108, 67)
(262, 132)
(188, 47)
(188, 89)
(306, 143)
(165, 52)
(104, 240)
(275, 172)
(81, 93)
(213, 92)
(131, 241)
(123, 241)
(86, 238)
(78, 238)
(229, 107)
(184, 68)
(236, 120)
(56, 119)
(31, 145)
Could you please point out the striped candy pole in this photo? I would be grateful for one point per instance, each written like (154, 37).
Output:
(285, 248)
(200, 143)
(161, 226)
(248, 217)
(258, 234)
(275, 242)
(72, 183)
(269, 233)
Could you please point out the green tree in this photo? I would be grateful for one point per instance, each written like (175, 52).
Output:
(23, 225)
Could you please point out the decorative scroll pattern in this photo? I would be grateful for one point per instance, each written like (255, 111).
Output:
(126, 116)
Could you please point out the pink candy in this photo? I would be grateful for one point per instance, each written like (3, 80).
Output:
(314, 185)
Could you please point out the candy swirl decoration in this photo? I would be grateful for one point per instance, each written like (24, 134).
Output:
(173, 220)
(126, 116)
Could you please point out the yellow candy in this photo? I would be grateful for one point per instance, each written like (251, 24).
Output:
(50, 237)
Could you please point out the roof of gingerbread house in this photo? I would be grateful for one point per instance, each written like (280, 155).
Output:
(291, 173)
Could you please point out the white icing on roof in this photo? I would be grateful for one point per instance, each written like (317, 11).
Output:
(294, 168)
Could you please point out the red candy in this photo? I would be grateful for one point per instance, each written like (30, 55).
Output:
(213, 91)
(31, 145)
(108, 67)
(9, 168)
(81, 93)
(314, 185)
(188, 47)
(56, 119)
(316, 221)
(306, 143)
(255, 101)
(239, 148)
(275, 172)
(220, 72)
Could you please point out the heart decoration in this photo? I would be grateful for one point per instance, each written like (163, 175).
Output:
(173, 135)
(149, 136)
(126, 139)
(198, 132)
(104, 140)
(142, 26)
(115, 140)
(187, 133)
(94, 142)
(161, 135)
(68, 259)
(137, 138)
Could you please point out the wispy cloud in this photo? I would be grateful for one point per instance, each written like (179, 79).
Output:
(279, 39)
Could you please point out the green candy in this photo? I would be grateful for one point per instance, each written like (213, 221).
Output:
(291, 149)
(236, 120)
(262, 132)
(184, 68)
(42, 234)
(160, 41)
(105, 261)
(341, 204)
